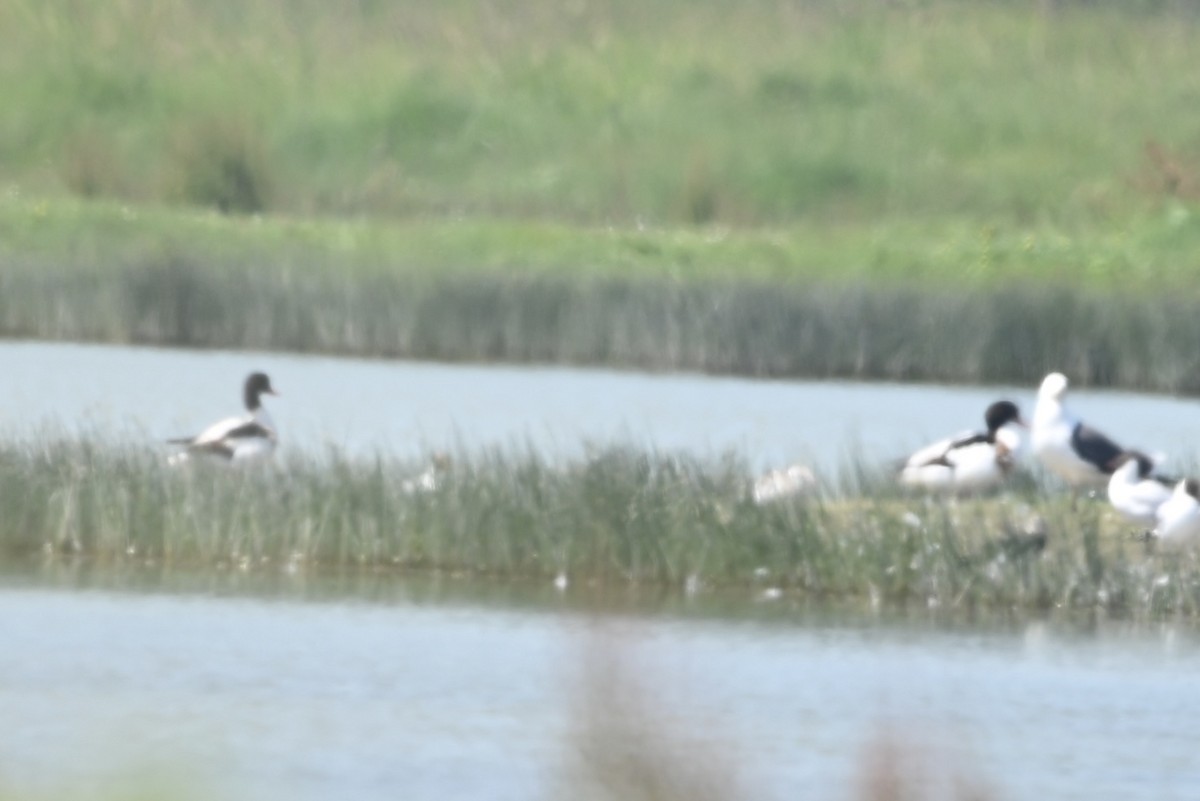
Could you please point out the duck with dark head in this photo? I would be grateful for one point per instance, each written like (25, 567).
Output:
(970, 462)
(249, 438)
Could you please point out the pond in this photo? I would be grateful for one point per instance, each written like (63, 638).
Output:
(407, 408)
(413, 693)
(221, 686)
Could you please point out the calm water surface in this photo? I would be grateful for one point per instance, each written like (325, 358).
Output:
(282, 698)
(408, 408)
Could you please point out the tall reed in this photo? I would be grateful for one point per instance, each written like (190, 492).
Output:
(1015, 334)
(617, 517)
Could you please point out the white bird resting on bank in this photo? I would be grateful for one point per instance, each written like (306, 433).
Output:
(1072, 450)
(969, 462)
(1136, 491)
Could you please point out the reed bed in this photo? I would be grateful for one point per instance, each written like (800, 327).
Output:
(618, 517)
(892, 331)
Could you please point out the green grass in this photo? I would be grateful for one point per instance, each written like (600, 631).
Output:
(615, 518)
(657, 300)
(787, 189)
(1150, 255)
(608, 111)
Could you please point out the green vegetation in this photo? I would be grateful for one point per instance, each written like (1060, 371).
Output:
(607, 111)
(327, 287)
(615, 518)
(807, 189)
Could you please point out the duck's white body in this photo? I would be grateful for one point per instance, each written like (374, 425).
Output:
(1136, 494)
(949, 465)
(1177, 522)
(970, 462)
(239, 440)
(1076, 453)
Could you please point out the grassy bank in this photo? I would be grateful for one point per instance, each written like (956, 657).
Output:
(651, 300)
(606, 111)
(943, 190)
(615, 518)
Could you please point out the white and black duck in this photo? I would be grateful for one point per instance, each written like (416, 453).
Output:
(1177, 521)
(969, 462)
(247, 438)
(1136, 490)
(1074, 451)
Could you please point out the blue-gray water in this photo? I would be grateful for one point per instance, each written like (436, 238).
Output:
(281, 698)
(254, 698)
(406, 408)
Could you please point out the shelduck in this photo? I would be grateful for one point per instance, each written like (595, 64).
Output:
(969, 462)
(249, 438)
